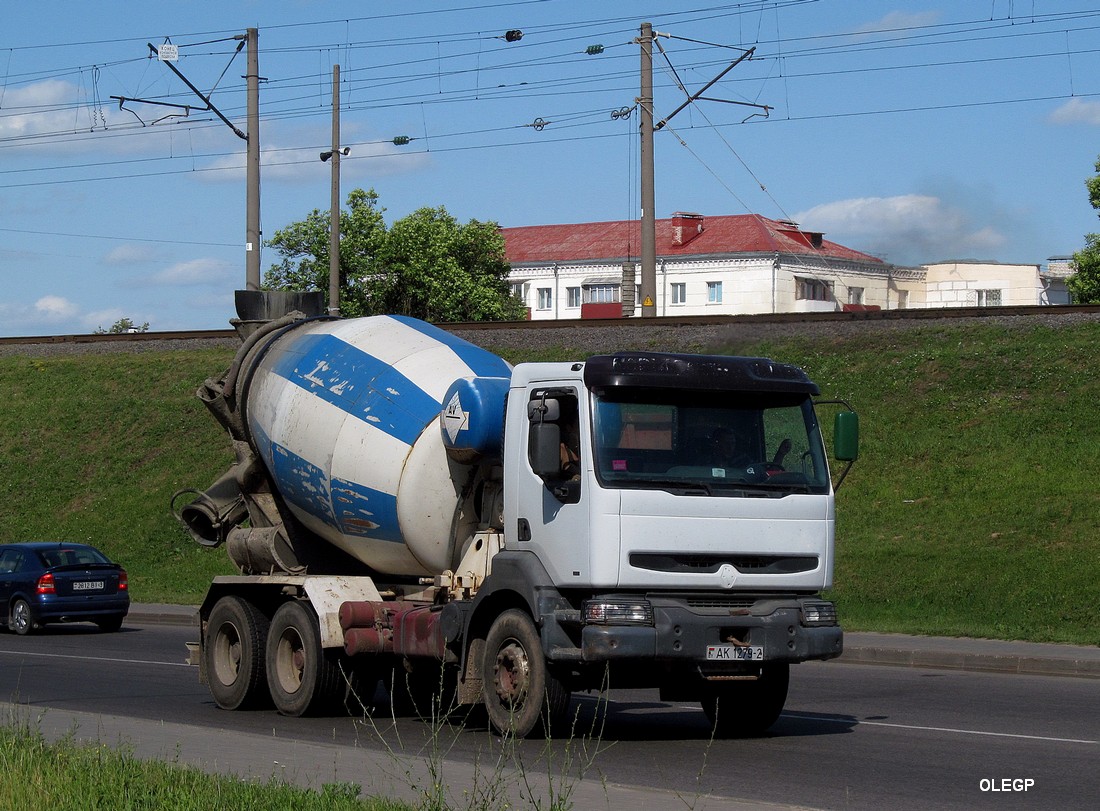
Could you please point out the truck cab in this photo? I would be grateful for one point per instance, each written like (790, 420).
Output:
(676, 511)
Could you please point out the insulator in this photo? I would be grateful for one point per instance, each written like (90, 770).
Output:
(515, 35)
(401, 140)
(593, 50)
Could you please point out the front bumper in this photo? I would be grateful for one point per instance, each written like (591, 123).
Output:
(681, 634)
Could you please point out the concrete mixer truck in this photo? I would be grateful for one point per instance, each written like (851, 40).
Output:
(408, 510)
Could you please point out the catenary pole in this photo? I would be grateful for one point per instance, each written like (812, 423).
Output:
(252, 170)
(649, 223)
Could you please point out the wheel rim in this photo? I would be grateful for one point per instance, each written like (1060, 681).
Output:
(227, 654)
(290, 660)
(512, 674)
(22, 618)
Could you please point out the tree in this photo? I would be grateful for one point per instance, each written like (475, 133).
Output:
(434, 268)
(1084, 284)
(121, 326)
(426, 265)
(304, 247)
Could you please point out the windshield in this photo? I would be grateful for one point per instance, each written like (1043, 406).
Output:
(715, 442)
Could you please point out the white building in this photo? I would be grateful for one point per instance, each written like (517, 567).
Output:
(743, 264)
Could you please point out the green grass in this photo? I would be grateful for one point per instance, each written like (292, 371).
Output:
(70, 775)
(972, 510)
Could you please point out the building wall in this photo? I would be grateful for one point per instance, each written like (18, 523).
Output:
(760, 284)
(977, 284)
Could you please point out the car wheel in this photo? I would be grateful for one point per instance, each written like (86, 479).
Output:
(233, 652)
(109, 624)
(22, 618)
(303, 678)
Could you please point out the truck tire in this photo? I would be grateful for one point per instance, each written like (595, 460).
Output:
(742, 709)
(303, 678)
(521, 695)
(233, 648)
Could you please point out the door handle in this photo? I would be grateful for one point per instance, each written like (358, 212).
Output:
(523, 530)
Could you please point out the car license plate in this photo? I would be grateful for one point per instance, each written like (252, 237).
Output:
(735, 653)
(88, 585)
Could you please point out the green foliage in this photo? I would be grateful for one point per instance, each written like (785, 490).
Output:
(1084, 284)
(121, 326)
(76, 776)
(426, 265)
(304, 247)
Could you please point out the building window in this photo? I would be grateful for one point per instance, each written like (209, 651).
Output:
(813, 289)
(573, 296)
(546, 298)
(903, 299)
(679, 292)
(988, 298)
(714, 292)
(601, 293)
(517, 291)
(855, 295)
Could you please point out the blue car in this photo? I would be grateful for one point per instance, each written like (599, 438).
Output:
(61, 582)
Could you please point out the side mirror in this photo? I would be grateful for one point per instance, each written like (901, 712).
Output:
(545, 450)
(846, 436)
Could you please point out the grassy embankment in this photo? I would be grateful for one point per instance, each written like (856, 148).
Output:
(972, 510)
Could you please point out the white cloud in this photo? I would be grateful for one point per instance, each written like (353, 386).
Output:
(55, 308)
(905, 229)
(130, 255)
(195, 272)
(1077, 111)
(896, 20)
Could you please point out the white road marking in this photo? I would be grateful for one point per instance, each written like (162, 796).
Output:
(856, 722)
(112, 660)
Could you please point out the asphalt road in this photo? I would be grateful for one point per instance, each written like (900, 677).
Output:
(852, 736)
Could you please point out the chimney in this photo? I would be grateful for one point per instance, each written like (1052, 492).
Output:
(685, 227)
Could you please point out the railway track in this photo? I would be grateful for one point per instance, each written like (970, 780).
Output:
(871, 316)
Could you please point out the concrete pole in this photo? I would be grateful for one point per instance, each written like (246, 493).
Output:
(252, 170)
(649, 223)
(334, 213)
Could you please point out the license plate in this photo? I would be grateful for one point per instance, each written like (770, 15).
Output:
(88, 585)
(735, 653)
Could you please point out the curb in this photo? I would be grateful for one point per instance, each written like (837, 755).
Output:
(974, 655)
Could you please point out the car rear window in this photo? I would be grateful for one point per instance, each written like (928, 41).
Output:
(66, 556)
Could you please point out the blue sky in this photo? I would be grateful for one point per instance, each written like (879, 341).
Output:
(916, 131)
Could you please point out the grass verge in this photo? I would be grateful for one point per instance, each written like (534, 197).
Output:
(77, 776)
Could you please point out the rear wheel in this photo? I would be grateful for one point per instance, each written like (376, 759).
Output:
(234, 654)
(22, 617)
(109, 624)
(304, 679)
(739, 709)
(521, 694)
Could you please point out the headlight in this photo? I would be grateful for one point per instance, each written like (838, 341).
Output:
(618, 612)
(818, 612)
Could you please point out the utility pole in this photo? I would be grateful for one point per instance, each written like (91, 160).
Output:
(252, 170)
(334, 214)
(649, 223)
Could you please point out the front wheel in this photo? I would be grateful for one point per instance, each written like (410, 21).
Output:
(233, 653)
(521, 694)
(22, 617)
(304, 679)
(738, 709)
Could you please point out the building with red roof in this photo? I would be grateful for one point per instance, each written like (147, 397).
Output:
(705, 265)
